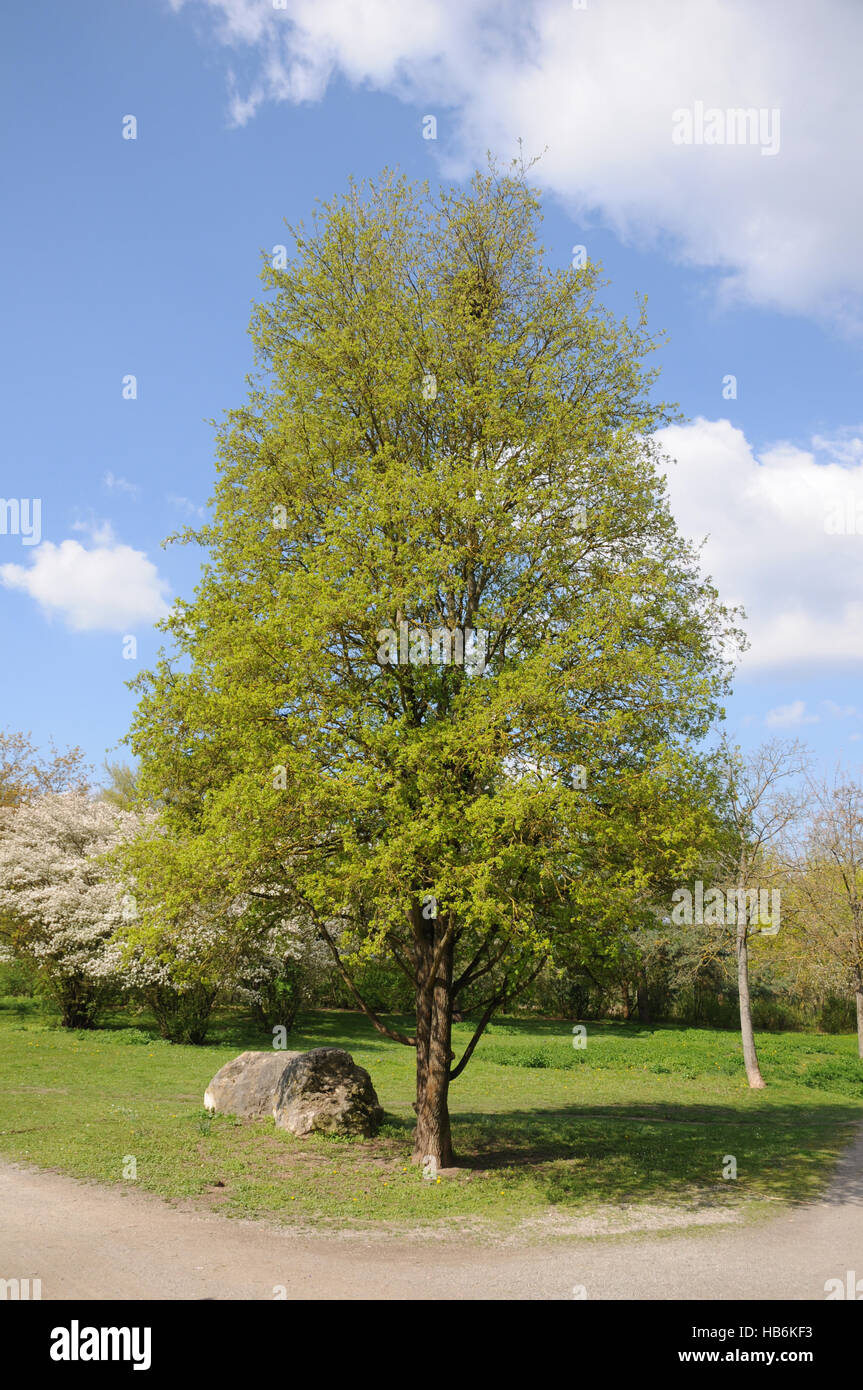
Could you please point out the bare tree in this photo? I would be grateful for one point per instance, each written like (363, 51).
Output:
(764, 796)
(25, 772)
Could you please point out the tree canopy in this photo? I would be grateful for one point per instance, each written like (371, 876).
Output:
(439, 686)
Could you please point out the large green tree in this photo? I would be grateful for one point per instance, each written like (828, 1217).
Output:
(442, 433)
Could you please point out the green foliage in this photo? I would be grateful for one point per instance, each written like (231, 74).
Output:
(182, 1016)
(122, 786)
(134, 1037)
(837, 1014)
(382, 986)
(17, 977)
(535, 1057)
(21, 1004)
(279, 999)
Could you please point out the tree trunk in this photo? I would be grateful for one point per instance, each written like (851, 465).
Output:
(750, 1056)
(642, 999)
(78, 1002)
(858, 996)
(432, 1138)
(624, 999)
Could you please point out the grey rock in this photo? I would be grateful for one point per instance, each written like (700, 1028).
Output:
(248, 1084)
(324, 1091)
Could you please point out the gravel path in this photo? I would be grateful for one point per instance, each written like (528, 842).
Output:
(86, 1242)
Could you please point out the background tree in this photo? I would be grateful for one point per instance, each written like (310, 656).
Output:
(763, 798)
(442, 432)
(828, 887)
(25, 772)
(121, 785)
(60, 902)
(665, 832)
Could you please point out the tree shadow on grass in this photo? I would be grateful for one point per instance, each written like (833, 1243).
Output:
(618, 1029)
(234, 1028)
(661, 1151)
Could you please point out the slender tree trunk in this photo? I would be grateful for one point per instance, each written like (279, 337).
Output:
(750, 1056)
(624, 999)
(858, 996)
(642, 999)
(432, 1138)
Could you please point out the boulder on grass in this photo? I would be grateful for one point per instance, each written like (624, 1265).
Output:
(248, 1085)
(324, 1091)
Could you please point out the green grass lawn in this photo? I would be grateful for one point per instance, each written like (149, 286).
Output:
(640, 1116)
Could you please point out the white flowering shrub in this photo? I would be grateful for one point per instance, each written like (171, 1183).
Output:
(282, 968)
(60, 901)
(93, 921)
(180, 965)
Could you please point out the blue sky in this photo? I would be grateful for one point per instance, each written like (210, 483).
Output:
(142, 256)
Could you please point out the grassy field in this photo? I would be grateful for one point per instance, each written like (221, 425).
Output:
(542, 1130)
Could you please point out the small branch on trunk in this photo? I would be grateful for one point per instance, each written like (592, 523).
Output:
(493, 1003)
(376, 1022)
(470, 975)
(465, 976)
(402, 965)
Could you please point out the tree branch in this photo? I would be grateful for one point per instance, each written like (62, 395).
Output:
(376, 1022)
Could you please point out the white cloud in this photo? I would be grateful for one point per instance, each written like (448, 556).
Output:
(770, 547)
(101, 533)
(185, 504)
(598, 88)
(108, 588)
(115, 484)
(790, 716)
(840, 711)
